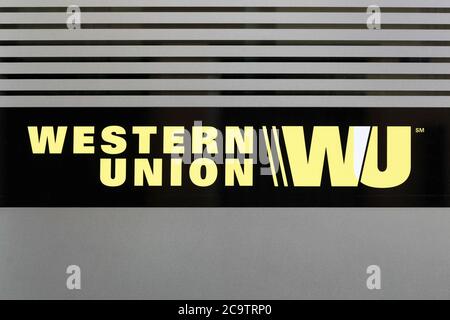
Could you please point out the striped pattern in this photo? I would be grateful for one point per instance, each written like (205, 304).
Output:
(225, 53)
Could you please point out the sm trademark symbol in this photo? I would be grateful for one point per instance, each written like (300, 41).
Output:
(420, 130)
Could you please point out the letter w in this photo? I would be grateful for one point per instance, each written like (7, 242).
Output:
(47, 137)
(307, 171)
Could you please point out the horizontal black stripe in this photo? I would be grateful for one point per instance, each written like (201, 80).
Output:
(220, 93)
(225, 76)
(223, 43)
(226, 59)
(224, 9)
(224, 26)
(73, 180)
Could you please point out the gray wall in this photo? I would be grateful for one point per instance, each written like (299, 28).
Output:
(224, 253)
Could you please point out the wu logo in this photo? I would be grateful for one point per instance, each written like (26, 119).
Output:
(358, 164)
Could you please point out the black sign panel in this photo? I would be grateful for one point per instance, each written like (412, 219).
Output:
(300, 157)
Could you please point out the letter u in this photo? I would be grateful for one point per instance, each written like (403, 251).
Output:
(398, 159)
(120, 174)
